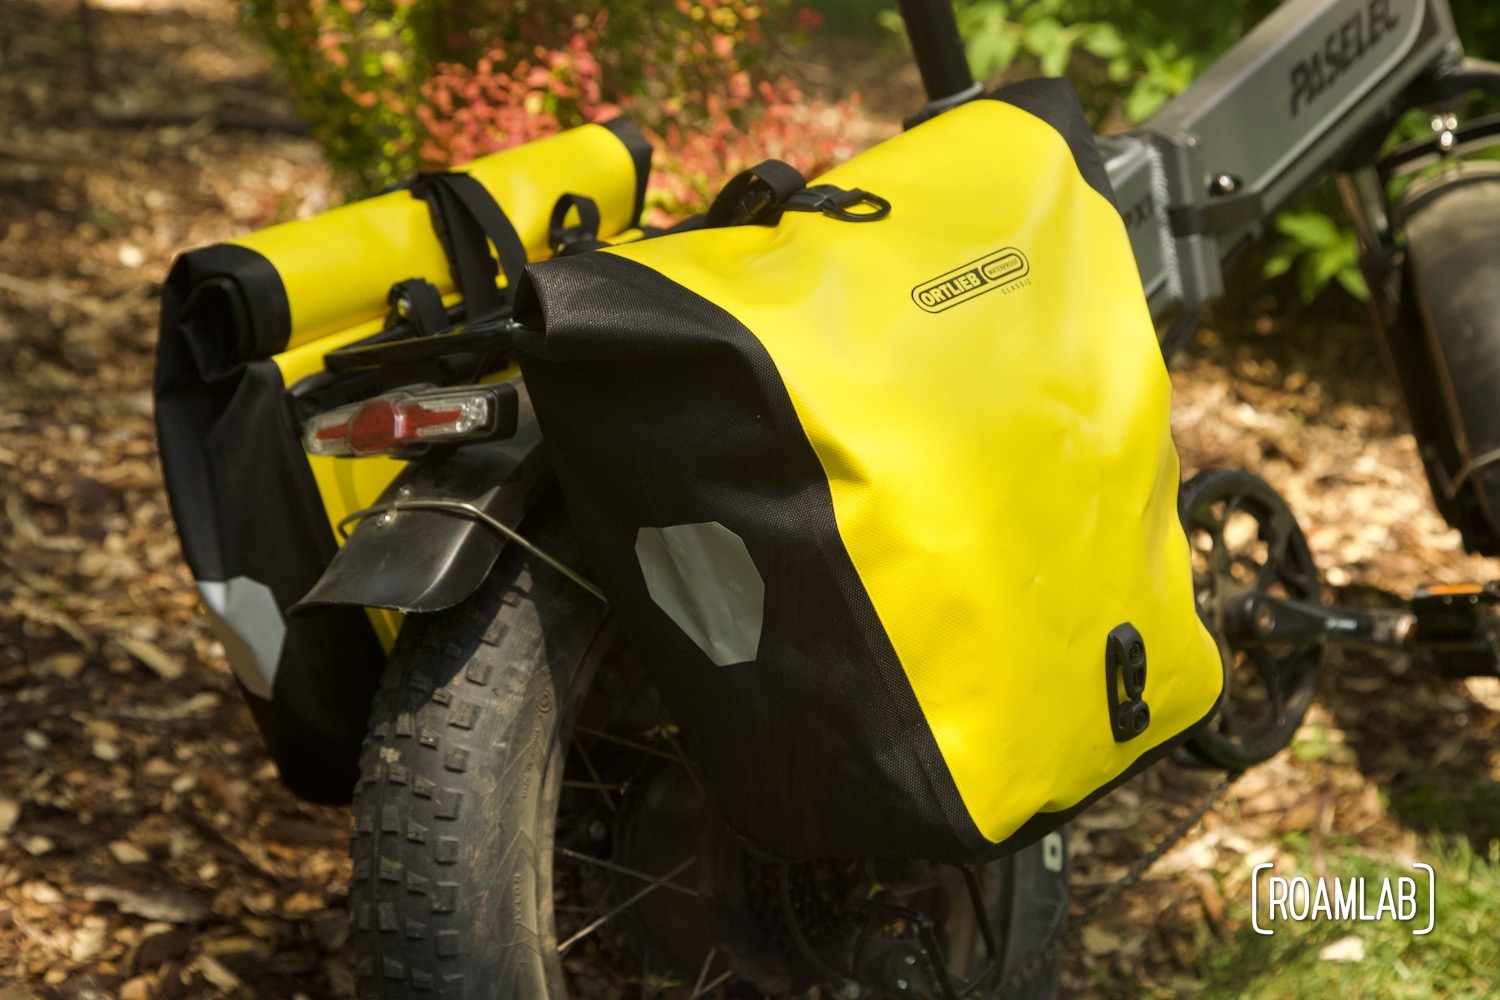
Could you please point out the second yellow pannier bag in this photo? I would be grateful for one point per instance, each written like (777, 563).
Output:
(245, 329)
(886, 499)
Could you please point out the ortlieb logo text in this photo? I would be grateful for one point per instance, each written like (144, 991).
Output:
(1006, 268)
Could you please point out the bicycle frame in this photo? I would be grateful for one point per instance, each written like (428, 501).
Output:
(1313, 81)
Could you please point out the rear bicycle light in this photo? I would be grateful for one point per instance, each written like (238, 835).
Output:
(409, 421)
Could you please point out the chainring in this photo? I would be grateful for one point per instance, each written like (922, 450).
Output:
(1245, 539)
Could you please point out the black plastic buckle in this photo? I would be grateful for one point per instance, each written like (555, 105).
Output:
(1125, 678)
(836, 203)
(757, 204)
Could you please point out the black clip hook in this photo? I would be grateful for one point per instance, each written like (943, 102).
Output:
(836, 203)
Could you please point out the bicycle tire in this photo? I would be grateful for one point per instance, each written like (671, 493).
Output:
(451, 804)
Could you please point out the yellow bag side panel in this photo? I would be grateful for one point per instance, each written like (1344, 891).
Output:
(982, 447)
(338, 266)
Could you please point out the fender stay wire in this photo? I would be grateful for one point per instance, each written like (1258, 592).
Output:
(469, 510)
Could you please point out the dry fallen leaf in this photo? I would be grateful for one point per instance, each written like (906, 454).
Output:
(1211, 897)
(167, 906)
(163, 664)
(1345, 949)
(65, 666)
(127, 853)
(216, 973)
(88, 941)
(38, 845)
(1098, 941)
(10, 811)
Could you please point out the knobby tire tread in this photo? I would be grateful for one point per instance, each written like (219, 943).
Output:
(450, 892)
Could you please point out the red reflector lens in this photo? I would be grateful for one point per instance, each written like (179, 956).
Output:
(416, 417)
(374, 426)
(402, 421)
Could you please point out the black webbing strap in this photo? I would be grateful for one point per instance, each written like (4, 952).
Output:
(588, 218)
(419, 303)
(755, 195)
(762, 193)
(565, 239)
(468, 222)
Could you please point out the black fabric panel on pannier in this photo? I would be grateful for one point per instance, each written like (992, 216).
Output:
(233, 290)
(640, 151)
(1055, 102)
(236, 476)
(821, 738)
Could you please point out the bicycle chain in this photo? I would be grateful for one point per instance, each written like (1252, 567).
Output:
(1115, 890)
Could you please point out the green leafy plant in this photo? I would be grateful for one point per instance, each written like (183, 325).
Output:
(1124, 57)
(355, 70)
(1321, 250)
(997, 32)
(392, 85)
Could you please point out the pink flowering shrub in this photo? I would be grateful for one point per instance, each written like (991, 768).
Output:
(391, 86)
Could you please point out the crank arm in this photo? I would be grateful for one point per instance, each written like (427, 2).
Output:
(1457, 625)
(1260, 620)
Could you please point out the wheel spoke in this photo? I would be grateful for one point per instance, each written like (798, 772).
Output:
(718, 981)
(598, 782)
(589, 859)
(594, 925)
(646, 988)
(708, 961)
(687, 765)
(621, 741)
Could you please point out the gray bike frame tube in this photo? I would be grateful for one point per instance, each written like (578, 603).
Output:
(1272, 115)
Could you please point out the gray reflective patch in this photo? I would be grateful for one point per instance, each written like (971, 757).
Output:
(702, 576)
(249, 624)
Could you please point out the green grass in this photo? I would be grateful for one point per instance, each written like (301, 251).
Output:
(1460, 958)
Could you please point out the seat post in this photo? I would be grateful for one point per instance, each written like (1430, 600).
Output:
(939, 51)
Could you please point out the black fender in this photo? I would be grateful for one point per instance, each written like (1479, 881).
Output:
(428, 560)
(414, 560)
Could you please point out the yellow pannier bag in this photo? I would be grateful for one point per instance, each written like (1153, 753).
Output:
(888, 506)
(245, 327)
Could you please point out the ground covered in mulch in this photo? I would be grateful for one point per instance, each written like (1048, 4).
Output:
(146, 848)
